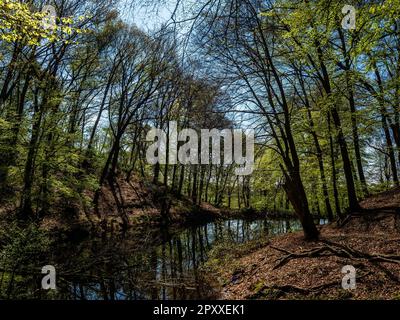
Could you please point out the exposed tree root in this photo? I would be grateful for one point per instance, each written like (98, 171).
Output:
(370, 215)
(334, 249)
(339, 250)
(280, 290)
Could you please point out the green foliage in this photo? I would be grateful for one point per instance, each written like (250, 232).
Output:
(22, 247)
(19, 23)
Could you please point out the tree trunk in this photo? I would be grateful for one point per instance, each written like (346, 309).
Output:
(297, 196)
(334, 173)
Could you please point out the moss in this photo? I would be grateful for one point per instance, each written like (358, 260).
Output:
(223, 259)
(258, 287)
(396, 296)
(345, 295)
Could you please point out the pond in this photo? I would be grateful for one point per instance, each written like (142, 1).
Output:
(159, 264)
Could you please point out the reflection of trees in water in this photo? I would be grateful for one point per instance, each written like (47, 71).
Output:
(120, 269)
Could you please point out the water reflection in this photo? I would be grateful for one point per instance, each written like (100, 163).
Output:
(162, 265)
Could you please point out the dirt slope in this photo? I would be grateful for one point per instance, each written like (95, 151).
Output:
(287, 267)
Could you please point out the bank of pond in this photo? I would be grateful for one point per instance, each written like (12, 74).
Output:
(151, 264)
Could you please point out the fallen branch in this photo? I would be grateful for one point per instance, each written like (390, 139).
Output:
(333, 249)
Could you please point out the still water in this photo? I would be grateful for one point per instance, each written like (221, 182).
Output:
(156, 265)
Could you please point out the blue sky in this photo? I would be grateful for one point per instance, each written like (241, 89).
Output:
(147, 19)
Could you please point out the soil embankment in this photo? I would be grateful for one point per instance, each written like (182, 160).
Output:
(133, 203)
(287, 267)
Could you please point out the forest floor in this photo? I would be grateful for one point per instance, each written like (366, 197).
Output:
(287, 267)
(139, 202)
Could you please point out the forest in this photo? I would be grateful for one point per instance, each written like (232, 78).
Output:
(83, 82)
